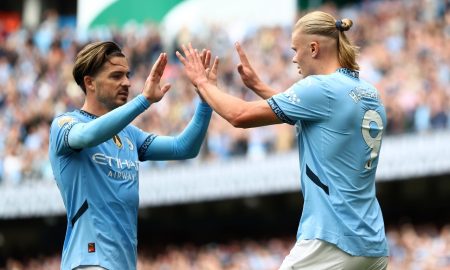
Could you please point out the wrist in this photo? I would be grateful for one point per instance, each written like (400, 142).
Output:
(200, 84)
(145, 100)
(258, 85)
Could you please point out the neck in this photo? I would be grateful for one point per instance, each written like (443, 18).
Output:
(332, 64)
(326, 67)
(97, 110)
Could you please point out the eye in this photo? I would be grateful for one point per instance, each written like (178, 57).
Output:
(116, 76)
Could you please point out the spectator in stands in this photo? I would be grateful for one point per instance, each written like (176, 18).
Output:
(411, 248)
(340, 121)
(403, 53)
(95, 154)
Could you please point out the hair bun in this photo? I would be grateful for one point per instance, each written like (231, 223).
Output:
(344, 24)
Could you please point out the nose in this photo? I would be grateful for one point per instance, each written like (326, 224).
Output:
(126, 82)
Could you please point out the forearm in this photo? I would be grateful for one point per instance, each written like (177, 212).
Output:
(105, 127)
(237, 112)
(227, 106)
(190, 140)
(187, 144)
(263, 90)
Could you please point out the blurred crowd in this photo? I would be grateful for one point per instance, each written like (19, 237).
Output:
(404, 52)
(411, 248)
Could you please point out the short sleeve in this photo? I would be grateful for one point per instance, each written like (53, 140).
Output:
(308, 100)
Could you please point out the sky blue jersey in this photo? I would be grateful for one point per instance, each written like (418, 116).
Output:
(95, 161)
(340, 121)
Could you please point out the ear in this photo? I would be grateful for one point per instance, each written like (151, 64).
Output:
(89, 83)
(314, 49)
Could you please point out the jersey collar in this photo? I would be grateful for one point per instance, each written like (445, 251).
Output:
(90, 115)
(349, 72)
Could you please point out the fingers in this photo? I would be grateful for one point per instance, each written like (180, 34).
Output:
(215, 66)
(240, 68)
(181, 58)
(192, 57)
(165, 88)
(156, 65)
(159, 66)
(188, 52)
(162, 65)
(195, 56)
(204, 57)
(242, 54)
(207, 59)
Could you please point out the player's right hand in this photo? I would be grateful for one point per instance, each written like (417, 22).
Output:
(211, 72)
(193, 65)
(152, 89)
(245, 69)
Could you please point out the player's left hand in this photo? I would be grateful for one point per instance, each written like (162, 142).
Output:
(245, 69)
(211, 72)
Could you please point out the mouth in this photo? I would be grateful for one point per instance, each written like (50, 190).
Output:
(123, 94)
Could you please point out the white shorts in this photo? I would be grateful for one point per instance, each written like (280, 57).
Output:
(317, 255)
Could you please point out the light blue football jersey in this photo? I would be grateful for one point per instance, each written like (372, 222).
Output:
(99, 184)
(99, 187)
(340, 121)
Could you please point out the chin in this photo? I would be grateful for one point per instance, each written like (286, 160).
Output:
(119, 103)
(123, 100)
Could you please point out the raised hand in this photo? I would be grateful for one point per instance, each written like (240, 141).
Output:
(246, 71)
(193, 65)
(211, 72)
(152, 89)
(249, 76)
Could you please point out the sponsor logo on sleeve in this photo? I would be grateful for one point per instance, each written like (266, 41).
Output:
(64, 120)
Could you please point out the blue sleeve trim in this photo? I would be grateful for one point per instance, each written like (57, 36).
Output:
(145, 145)
(66, 135)
(279, 113)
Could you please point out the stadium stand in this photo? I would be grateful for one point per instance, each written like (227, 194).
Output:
(404, 52)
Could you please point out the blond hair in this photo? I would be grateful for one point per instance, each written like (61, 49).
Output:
(324, 24)
(91, 59)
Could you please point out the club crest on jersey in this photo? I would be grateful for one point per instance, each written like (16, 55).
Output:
(117, 141)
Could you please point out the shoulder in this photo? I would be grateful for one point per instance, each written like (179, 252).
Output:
(311, 81)
(311, 85)
(65, 120)
(132, 129)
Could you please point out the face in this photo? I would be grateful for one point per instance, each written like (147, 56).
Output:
(301, 46)
(111, 84)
